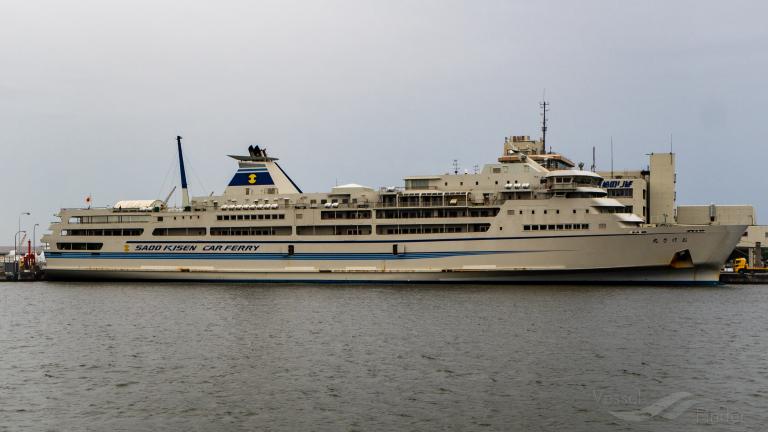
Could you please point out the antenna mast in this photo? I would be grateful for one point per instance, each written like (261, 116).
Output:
(612, 176)
(455, 166)
(593, 159)
(544, 108)
(670, 143)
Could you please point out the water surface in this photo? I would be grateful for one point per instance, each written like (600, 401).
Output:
(144, 356)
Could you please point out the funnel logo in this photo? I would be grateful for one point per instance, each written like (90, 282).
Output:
(249, 178)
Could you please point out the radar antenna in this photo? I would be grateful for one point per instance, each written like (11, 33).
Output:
(544, 108)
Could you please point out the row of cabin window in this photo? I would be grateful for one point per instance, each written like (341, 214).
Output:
(262, 216)
(626, 192)
(161, 218)
(345, 214)
(431, 229)
(302, 230)
(477, 183)
(435, 213)
(333, 230)
(557, 211)
(195, 231)
(108, 219)
(251, 231)
(79, 246)
(325, 230)
(266, 231)
(127, 232)
(556, 227)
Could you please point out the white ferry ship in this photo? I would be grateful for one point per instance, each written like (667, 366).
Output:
(530, 218)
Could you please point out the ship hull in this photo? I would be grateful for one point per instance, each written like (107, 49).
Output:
(660, 255)
(631, 276)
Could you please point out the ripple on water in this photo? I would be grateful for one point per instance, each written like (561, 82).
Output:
(201, 357)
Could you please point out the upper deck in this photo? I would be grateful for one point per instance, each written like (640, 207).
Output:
(262, 200)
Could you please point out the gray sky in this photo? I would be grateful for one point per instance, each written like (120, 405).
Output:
(93, 92)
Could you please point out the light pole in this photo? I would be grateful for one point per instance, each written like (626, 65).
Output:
(34, 241)
(20, 215)
(16, 240)
(16, 257)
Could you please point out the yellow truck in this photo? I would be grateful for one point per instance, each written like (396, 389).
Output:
(740, 266)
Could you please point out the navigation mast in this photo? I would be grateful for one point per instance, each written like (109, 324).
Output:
(184, 191)
(544, 108)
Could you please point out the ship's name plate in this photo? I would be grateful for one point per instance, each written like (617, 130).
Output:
(194, 248)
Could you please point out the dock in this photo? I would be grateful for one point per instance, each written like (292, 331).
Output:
(15, 270)
(744, 278)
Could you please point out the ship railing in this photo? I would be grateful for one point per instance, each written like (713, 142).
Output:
(85, 208)
(421, 188)
(391, 189)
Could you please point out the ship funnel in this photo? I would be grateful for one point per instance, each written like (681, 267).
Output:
(184, 190)
(259, 174)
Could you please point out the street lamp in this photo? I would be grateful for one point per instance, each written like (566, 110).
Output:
(16, 257)
(16, 238)
(20, 215)
(34, 241)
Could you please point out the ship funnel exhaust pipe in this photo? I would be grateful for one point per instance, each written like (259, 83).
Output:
(184, 191)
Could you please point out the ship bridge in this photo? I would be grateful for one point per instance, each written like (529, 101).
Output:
(574, 184)
(518, 149)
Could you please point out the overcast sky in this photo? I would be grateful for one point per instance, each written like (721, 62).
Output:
(93, 93)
